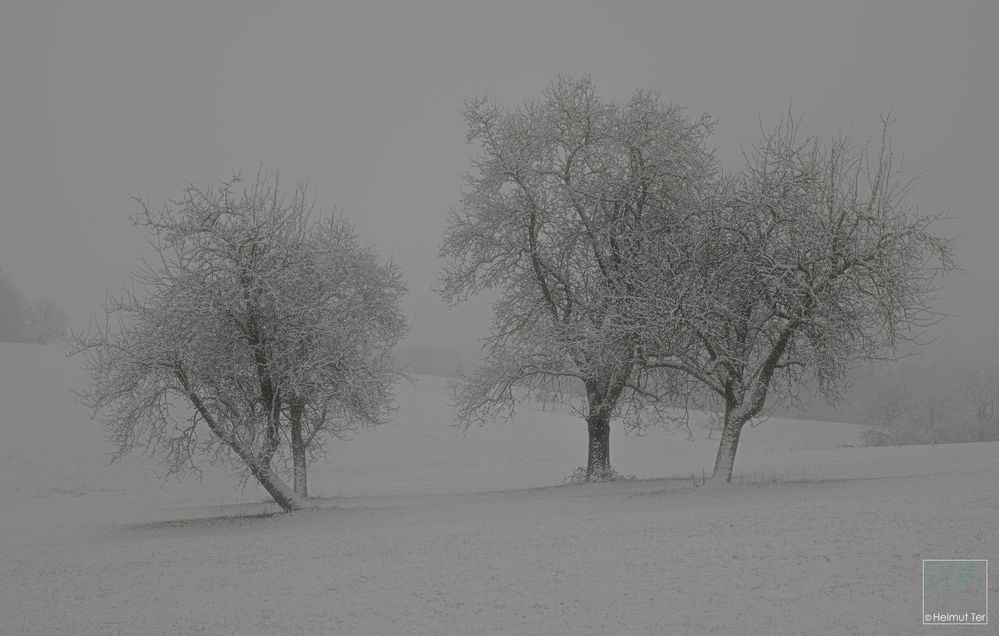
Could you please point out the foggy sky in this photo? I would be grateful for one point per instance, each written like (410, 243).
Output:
(100, 101)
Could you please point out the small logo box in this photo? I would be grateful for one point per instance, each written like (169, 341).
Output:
(955, 592)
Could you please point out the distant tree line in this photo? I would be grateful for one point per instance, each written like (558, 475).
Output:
(930, 402)
(40, 322)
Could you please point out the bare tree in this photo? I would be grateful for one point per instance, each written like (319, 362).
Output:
(274, 331)
(563, 194)
(929, 401)
(980, 385)
(889, 409)
(14, 312)
(814, 259)
(48, 321)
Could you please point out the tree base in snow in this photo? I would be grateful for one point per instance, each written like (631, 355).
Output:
(579, 477)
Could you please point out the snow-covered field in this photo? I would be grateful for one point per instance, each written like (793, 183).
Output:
(428, 531)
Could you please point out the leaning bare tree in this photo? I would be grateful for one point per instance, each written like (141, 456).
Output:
(254, 335)
(815, 259)
(563, 193)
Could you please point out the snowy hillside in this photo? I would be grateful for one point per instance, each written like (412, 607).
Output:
(433, 532)
(53, 451)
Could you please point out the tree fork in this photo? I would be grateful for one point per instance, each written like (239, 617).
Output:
(277, 488)
(259, 466)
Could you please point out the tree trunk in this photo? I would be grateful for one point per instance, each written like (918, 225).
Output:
(276, 488)
(729, 444)
(598, 456)
(298, 451)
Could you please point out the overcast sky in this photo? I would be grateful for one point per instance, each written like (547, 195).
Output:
(99, 101)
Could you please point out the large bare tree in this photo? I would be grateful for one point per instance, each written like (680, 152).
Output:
(564, 192)
(814, 258)
(274, 331)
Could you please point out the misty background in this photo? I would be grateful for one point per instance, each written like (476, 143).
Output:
(102, 101)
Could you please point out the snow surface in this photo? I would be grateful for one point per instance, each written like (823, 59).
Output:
(429, 531)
